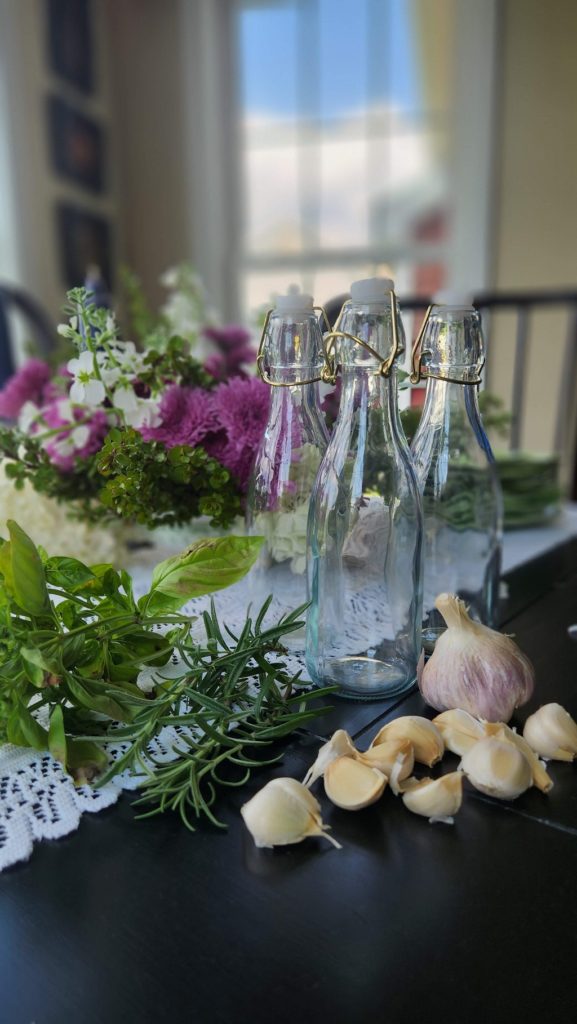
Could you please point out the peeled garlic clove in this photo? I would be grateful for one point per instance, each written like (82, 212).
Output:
(386, 755)
(551, 732)
(459, 729)
(498, 768)
(436, 799)
(284, 812)
(339, 745)
(475, 668)
(541, 779)
(352, 785)
(427, 741)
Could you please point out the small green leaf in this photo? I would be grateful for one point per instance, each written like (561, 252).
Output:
(207, 566)
(85, 760)
(24, 730)
(57, 736)
(28, 580)
(34, 664)
(68, 573)
(98, 702)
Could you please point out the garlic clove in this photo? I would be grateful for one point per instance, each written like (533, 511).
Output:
(459, 730)
(436, 799)
(284, 812)
(475, 668)
(339, 745)
(386, 755)
(426, 739)
(541, 779)
(498, 768)
(552, 733)
(353, 785)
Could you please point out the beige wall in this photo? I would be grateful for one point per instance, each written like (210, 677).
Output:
(535, 214)
(149, 112)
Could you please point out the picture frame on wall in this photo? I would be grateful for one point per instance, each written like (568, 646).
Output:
(70, 42)
(85, 243)
(76, 145)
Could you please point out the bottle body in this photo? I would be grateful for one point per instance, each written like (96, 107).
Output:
(462, 503)
(288, 459)
(365, 537)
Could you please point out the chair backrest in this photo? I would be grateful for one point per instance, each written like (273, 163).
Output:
(15, 300)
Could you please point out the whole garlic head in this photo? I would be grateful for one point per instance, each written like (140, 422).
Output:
(552, 733)
(284, 812)
(498, 768)
(475, 668)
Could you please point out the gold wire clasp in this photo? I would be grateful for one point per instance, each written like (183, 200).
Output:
(326, 372)
(418, 372)
(385, 365)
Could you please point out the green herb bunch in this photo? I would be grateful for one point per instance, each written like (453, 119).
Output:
(75, 644)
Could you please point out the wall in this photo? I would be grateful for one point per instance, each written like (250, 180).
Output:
(34, 189)
(535, 213)
(149, 121)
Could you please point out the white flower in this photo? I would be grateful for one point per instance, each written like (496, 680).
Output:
(74, 440)
(125, 399)
(87, 389)
(138, 412)
(286, 535)
(27, 416)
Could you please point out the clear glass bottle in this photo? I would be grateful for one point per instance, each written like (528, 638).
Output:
(462, 501)
(291, 360)
(365, 520)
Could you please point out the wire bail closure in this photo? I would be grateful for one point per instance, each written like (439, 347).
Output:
(418, 372)
(386, 365)
(326, 375)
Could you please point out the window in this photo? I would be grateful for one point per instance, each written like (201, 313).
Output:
(345, 146)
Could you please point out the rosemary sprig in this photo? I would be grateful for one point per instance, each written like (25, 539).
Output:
(231, 701)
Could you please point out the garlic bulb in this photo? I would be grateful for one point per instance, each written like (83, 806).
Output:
(498, 768)
(284, 812)
(475, 668)
(339, 745)
(459, 730)
(435, 799)
(541, 779)
(353, 785)
(551, 732)
(425, 737)
(387, 756)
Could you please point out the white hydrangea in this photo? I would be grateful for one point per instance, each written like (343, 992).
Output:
(285, 534)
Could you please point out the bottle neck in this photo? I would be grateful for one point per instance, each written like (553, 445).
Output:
(369, 403)
(302, 403)
(451, 415)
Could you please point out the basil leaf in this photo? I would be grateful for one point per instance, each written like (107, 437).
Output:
(68, 573)
(28, 580)
(57, 736)
(206, 566)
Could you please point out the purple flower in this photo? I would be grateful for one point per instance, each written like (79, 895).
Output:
(234, 351)
(241, 408)
(26, 385)
(187, 417)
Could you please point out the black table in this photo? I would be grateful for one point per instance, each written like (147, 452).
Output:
(143, 922)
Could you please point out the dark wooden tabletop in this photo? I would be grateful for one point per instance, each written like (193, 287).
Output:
(134, 921)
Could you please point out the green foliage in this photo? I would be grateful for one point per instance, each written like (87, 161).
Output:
(73, 642)
(155, 485)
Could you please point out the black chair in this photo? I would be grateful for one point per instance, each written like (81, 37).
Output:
(42, 333)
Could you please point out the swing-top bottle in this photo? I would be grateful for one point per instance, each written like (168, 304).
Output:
(365, 520)
(462, 501)
(291, 360)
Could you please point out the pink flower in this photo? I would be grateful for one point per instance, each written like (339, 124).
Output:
(234, 351)
(187, 417)
(26, 385)
(78, 438)
(242, 411)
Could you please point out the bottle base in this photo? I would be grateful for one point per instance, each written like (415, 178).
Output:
(362, 678)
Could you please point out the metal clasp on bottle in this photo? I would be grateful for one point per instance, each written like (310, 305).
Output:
(419, 372)
(327, 374)
(385, 365)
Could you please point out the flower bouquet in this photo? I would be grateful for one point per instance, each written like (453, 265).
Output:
(145, 434)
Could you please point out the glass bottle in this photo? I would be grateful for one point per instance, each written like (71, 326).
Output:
(365, 520)
(462, 501)
(291, 360)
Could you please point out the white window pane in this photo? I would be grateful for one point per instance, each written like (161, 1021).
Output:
(342, 57)
(272, 202)
(343, 200)
(267, 38)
